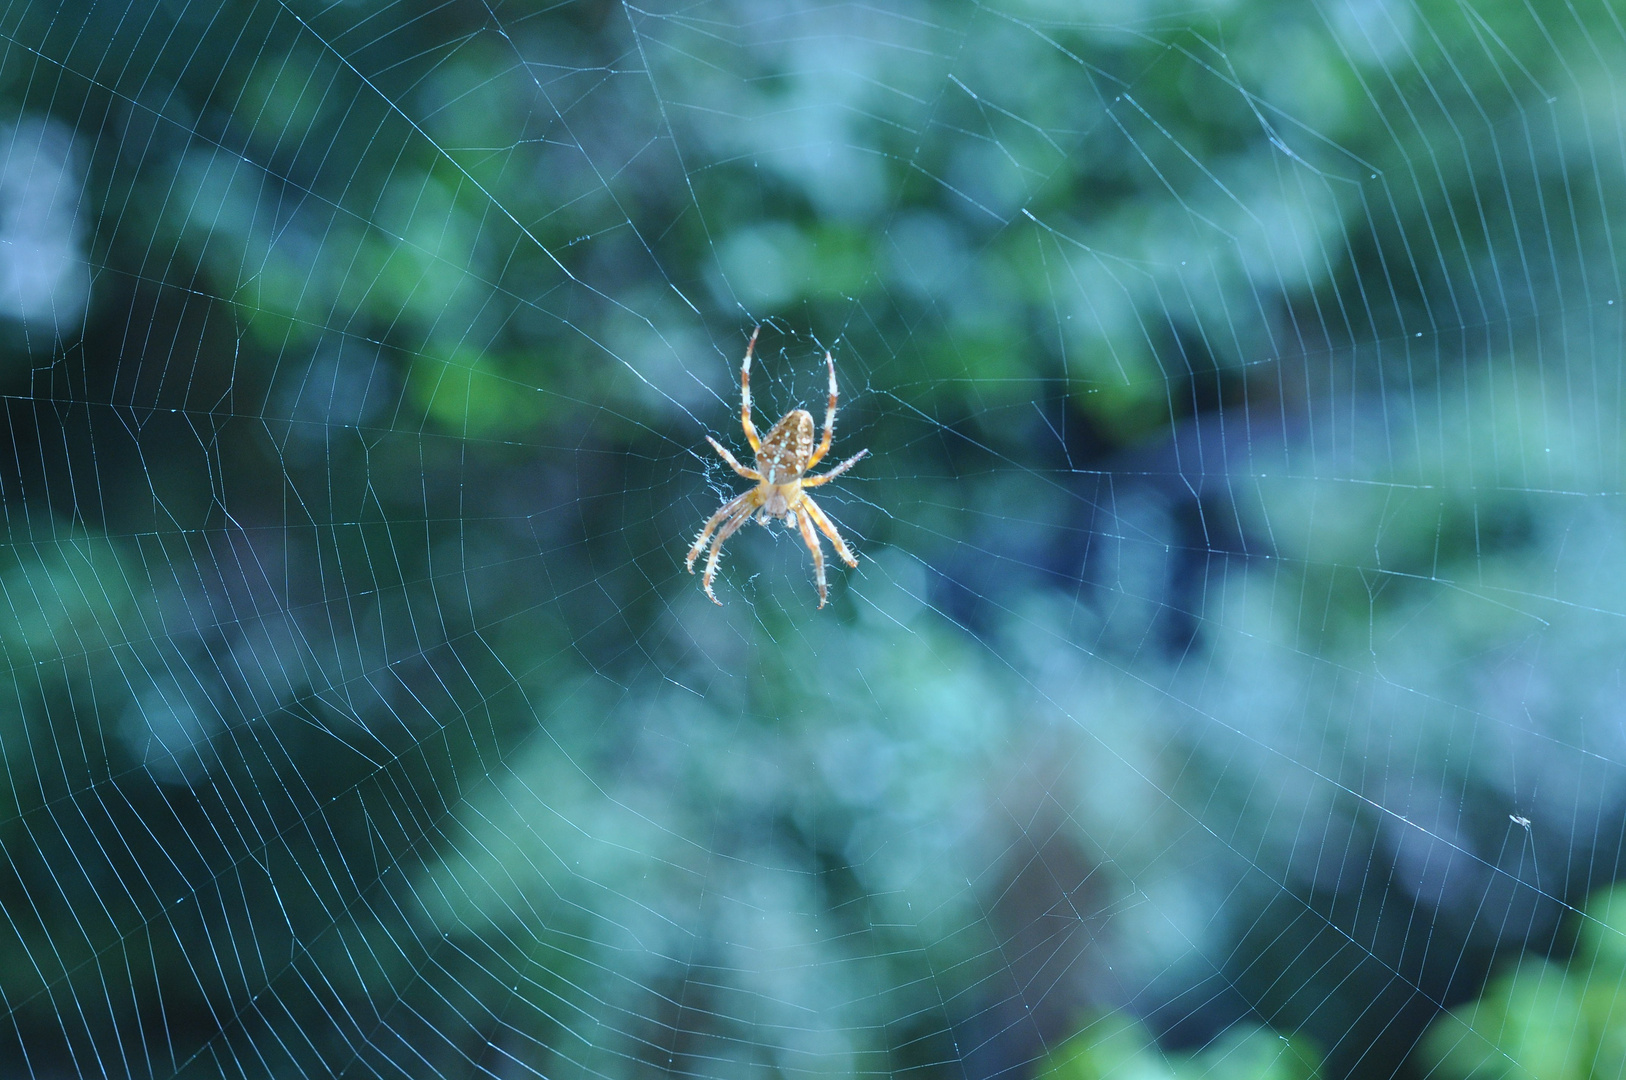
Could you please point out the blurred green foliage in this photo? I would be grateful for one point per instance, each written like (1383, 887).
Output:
(1116, 1047)
(1544, 1018)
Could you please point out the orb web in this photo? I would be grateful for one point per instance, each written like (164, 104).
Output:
(1230, 678)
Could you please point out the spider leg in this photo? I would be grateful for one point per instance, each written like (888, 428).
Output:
(815, 481)
(805, 521)
(741, 516)
(705, 533)
(828, 528)
(745, 395)
(829, 417)
(749, 474)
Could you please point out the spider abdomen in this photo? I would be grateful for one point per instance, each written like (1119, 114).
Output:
(787, 448)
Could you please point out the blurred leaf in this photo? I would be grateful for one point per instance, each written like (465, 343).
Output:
(1115, 1046)
(469, 394)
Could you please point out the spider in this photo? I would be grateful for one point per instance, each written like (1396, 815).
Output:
(783, 459)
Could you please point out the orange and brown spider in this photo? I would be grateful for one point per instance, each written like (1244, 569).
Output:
(783, 459)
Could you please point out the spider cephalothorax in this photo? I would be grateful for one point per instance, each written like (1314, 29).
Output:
(783, 458)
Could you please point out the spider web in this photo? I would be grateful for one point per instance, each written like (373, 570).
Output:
(1235, 643)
